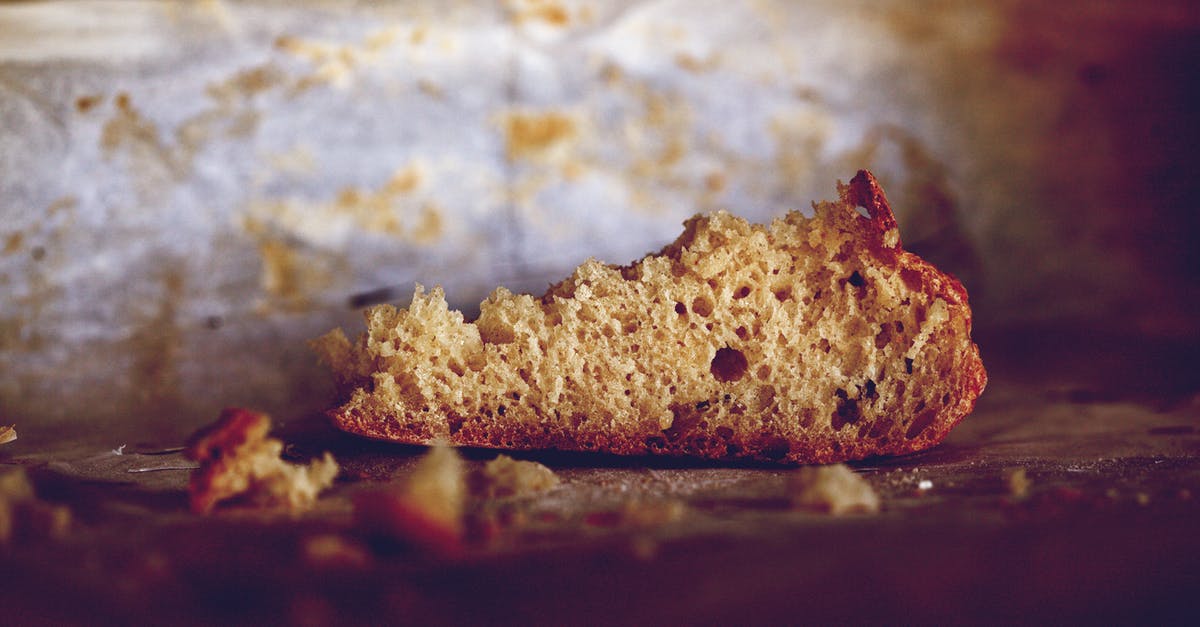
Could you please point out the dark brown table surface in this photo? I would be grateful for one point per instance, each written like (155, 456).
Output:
(1107, 429)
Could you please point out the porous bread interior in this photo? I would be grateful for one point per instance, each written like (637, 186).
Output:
(795, 341)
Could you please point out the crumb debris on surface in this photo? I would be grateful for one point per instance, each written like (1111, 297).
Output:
(1018, 483)
(426, 510)
(505, 477)
(237, 459)
(331, 550)
(8, 434)
(835, 489)
(23, 514)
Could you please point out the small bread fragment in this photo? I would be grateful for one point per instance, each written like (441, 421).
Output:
(834, 489)
(23, 514)
(504, 477)
(238, 459)
(812, 340)
(8, 434)
(426, 510)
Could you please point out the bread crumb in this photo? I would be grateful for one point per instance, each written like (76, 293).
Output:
(652, 513)
(330, 550)
(8, 434)
(237, 459)
(505, 476)
(639, 514)
(426, 510)
(1018, 483)
(1142, 499)
(835, 489)
(23, 514)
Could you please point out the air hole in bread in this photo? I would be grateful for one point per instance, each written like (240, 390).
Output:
(776, 448)
(920, 423)
(741, 332)
(782, 294)
(908, 364)
(681, 309)
(702, 306)
(741, 292)
(856, 279)
(884, 336)
(847, 411)
(729, 364)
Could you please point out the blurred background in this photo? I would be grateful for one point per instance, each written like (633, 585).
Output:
(189, 192)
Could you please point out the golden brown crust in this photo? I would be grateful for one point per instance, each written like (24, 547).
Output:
(715, 420)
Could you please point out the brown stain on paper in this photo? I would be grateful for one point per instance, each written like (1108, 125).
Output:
(292, 272)
(534, 135)
(156, 347)
(546, 11)
(288, 274)
(129, 132)
(159, 158)
(20, 331)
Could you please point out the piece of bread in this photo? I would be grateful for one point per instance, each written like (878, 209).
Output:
(834, 489)
(238, 460)
(813, 340)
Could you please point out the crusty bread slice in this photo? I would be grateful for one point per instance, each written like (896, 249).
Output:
(813, 340)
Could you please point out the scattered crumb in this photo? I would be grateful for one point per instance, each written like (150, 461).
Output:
(426, 510)
(23, 514)
(505, 476)
(639, 514)
(1142, 499)
(835, 489)
(14, 485)
(652, 513)
(238, 459)
(924, 484)
(643, 547)
(330, 550)
(438, 485)
(8, 434)
(1018, 483)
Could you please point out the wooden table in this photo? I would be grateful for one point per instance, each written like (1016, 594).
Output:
(1106, 428)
